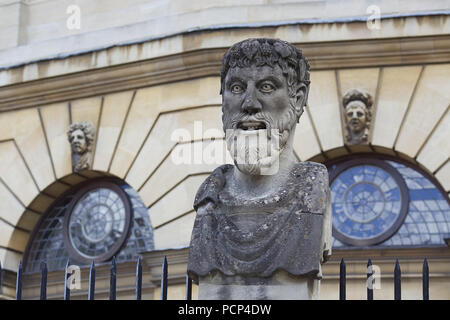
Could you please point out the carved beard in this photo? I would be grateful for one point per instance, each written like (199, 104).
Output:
(257, 152)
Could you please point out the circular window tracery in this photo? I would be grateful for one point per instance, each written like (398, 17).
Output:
(97, 222)
(48, 242)
(427, 214)
(369, 201)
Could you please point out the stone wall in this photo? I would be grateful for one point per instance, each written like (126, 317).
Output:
(133, 141)
(137, 94)
(38, 29)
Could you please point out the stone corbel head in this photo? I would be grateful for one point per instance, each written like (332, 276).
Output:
(357, 116)
(81, 137)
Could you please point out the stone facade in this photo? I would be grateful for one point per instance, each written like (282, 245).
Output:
(136, 94)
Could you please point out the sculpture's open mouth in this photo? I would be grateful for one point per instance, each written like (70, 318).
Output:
(251, 125)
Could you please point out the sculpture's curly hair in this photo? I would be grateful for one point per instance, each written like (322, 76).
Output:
(357, 95)
(267, 51)
(87, 128)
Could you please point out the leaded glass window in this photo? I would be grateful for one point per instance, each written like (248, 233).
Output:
(386, 203)
(96, 222)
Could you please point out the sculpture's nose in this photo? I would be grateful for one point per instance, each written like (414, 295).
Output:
(251, 105)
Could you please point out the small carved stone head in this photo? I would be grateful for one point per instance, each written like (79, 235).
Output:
(358, 115)
(81, 137)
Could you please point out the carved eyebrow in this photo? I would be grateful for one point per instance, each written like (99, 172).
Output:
(234, 79)
(270, 78)
(273, 79)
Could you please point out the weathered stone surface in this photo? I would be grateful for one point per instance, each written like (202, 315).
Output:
(81, 137)
(263, 225)
(357, 114)
(281, 285)
(257, 237)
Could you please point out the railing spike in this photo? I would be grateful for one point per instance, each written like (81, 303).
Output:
(112, 279)
(19, 281)
(188, 288)
(397, 281)
(425, 280)
(66, 282)
(369, 280)
(164, 279)
(44, 272)
(342, 280)
(139, 279)
(91, 293)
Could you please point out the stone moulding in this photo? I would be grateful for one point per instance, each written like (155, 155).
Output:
(205, 63)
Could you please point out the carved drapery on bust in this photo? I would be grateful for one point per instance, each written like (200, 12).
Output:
(357, 115)
(81, 138)
(259, 236)
(268, 213)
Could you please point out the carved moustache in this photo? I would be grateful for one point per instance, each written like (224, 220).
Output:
(262, 120)
(240, 121)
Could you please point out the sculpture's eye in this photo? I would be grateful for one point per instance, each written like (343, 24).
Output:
(236, 88)
(350, 114)
(360, 114)
(267, 87)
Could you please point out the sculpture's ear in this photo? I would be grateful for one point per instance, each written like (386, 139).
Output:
(301, 98)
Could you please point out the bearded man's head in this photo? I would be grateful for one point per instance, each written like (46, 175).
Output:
(264, 87)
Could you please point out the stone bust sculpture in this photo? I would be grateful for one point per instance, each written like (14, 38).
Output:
(81, 138)
(263, 225)
(357, 114)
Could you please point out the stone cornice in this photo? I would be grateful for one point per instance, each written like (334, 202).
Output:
(206, 62)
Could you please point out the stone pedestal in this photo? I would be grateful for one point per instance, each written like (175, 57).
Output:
(280, 286)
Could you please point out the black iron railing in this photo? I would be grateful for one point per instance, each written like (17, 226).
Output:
(164, 281)
(139, 279)
(397, 280)
(370, 280)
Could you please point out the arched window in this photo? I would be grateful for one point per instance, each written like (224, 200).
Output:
(385, 202)
(95, 221)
